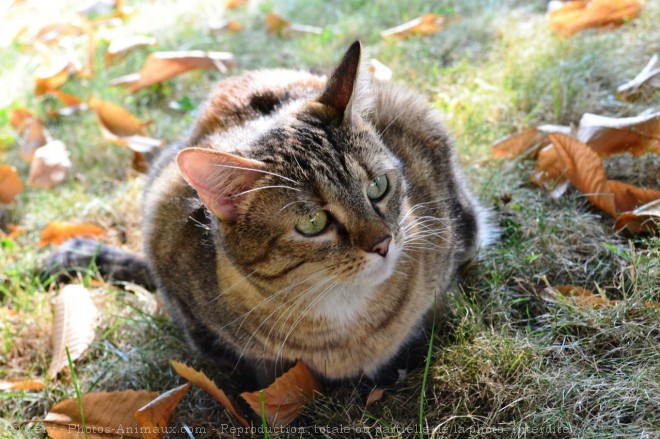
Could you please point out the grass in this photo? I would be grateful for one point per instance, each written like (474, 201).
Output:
(505, 362)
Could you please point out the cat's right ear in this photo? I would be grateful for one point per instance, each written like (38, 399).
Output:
(219, 178)
(340, 89)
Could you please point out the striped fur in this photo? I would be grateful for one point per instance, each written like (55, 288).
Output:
(256, 289)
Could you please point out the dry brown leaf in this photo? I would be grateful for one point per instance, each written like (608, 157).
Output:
(628, 197)
(139, 144)
(67, 99)
(73, 326)
(583, 297)
(120, 47)
(232, 26)
(57, 232)
(516, 144)
(577, 16)
(276, 25)
(31, 131)
(155, 416)
(233, 4)
(116, 119)
(50, 165)
(160, 66)
(10, 184)
(585, 170)
(107, 415)
(580, 296)
(205, 383)
(285, 397)
(139, 163)
(427, 24)
(14, 231)
(379, 70)
(25, 384)
(50, 77)
(611, 135)
(549, 170)
(375, 395)
(649, 76)
(644, 219)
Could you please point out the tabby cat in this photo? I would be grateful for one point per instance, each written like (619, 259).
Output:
(309, 219)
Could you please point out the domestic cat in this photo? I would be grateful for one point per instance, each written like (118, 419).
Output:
(309, 219)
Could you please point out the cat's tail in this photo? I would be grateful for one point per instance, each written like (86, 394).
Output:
(85, 255)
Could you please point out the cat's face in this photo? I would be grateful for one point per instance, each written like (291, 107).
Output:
(328, 205)
(317, 208)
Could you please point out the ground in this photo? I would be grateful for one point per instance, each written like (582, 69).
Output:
(505, 362)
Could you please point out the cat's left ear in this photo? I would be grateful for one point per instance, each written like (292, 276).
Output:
(340, 90)
(219, 178)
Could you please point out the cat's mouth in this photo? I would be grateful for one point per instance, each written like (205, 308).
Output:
(376, 269)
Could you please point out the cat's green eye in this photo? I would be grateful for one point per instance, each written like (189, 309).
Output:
(377, 188)
(312, 224)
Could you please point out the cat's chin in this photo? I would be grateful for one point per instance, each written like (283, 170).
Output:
(378, 268)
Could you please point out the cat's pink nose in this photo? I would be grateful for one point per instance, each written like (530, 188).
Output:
(382, 247)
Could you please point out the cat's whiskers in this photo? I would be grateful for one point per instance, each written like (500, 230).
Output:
(292, 307)
(419, 206)
(275, 186)
(272, 296)
(401, 113)
(280, 306)
(302, 315)
(231, 287)
(291, 203)
(258, 170)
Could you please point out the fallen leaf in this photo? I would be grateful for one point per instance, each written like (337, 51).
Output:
(139, 163)
(14, 231)
(50, 165)
(122, 128)
(155, 416)
(379, 70)
(107, 415)
(233, 4)
(516, 144)
(139, 144)
(584, 169)
(120, 47)
(31, 132)
(73, 326)
(57, 232)
(202, 381)
(583, 297)
(580, 296)
(427, 24)
(549, 170)
(160, 66)
(10, 184)
(232, 26)
(116, 119)
(67, 99)
(644, 219)
(647, 77)
(285, 397)
(50, 77)
(375, 395)
(25, 384)
(628, 197)
(276, 25)
(579, 15)
(611, 135)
